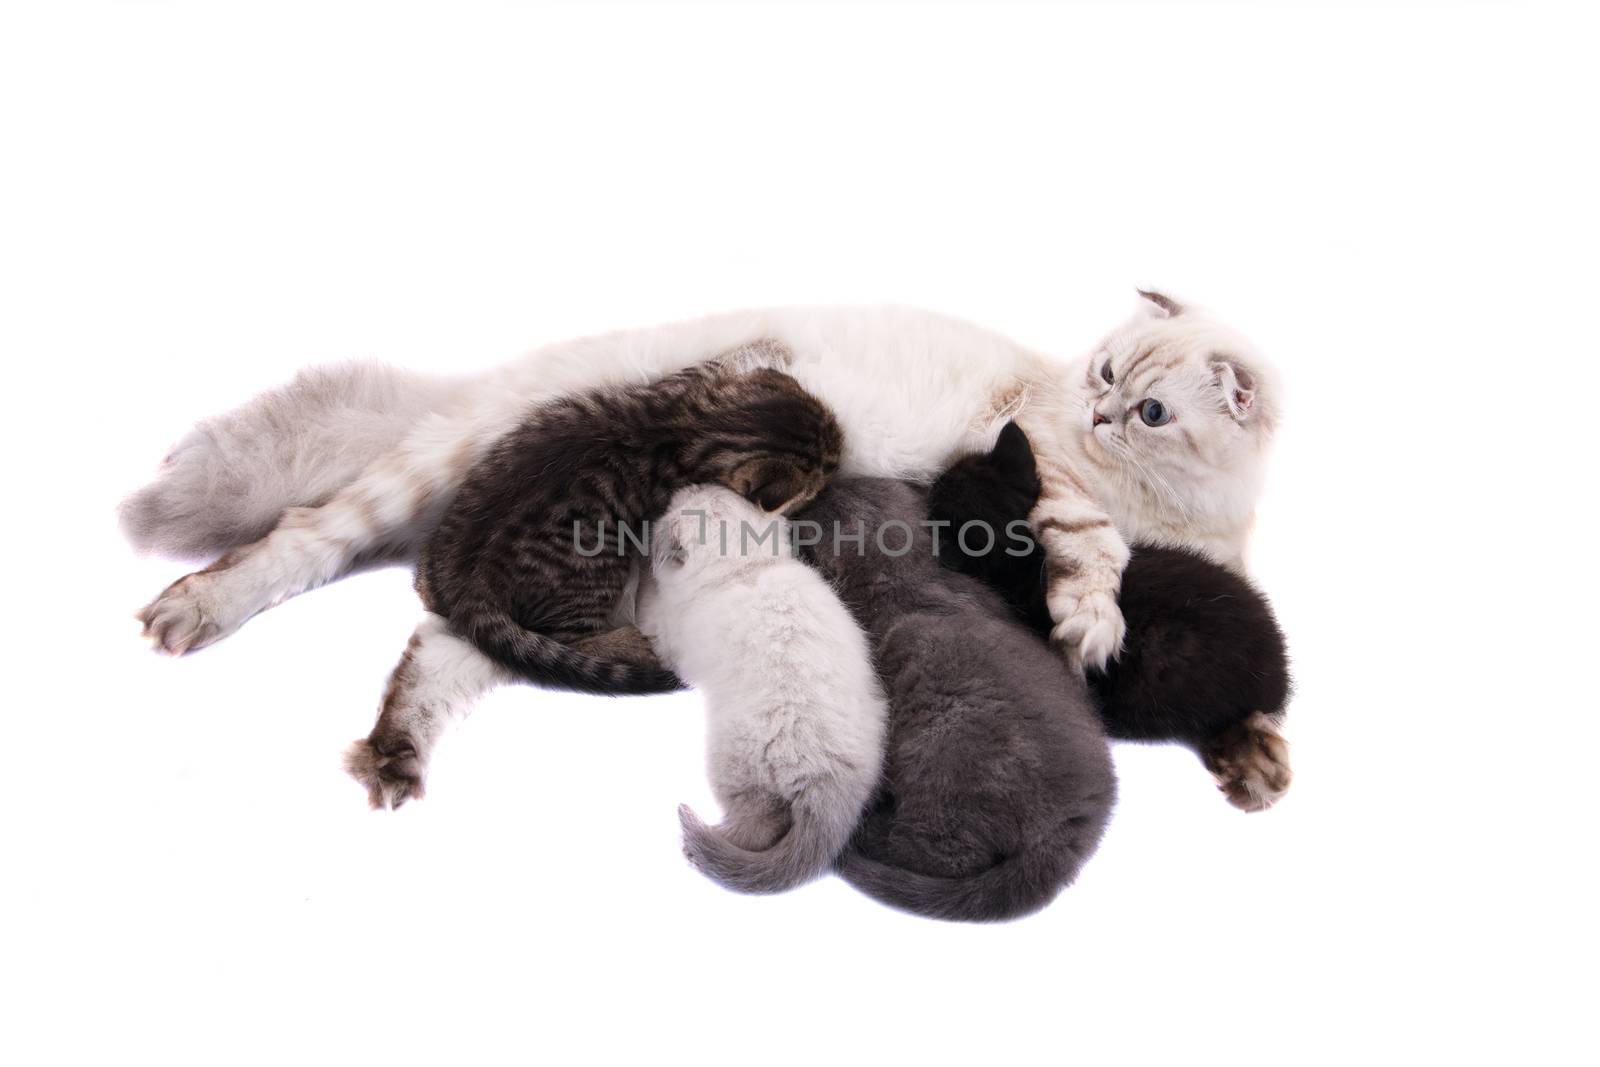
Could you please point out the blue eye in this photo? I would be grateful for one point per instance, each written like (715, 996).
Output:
(1105, 372)
(1154, 413)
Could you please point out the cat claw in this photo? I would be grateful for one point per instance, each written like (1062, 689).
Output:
(391, 779)
(1092, 632)
(181, 619)
(1250, 762)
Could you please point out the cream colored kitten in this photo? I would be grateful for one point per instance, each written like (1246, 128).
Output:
(795, 720)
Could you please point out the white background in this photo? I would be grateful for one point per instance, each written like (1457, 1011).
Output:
(1396, 202)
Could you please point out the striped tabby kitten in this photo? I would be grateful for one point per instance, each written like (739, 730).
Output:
(532, 558)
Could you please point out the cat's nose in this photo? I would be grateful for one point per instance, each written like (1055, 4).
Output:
(1100, 419)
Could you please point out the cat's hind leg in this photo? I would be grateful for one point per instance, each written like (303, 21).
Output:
(397, 500)
(230, 479)
(385, 512)
(1250, 761)
(438, 680)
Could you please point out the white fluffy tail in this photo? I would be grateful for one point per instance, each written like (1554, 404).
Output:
(231, 478)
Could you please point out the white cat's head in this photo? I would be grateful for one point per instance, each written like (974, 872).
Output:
(1182, 407)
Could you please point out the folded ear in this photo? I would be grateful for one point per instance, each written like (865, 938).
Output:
(1237, 384)
(1163, 305)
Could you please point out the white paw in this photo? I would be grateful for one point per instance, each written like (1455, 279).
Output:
(189, 614)
(1250, 762)
(1090, 630)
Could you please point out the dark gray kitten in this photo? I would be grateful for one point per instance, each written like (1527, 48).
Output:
(997, 778)
(531, 558)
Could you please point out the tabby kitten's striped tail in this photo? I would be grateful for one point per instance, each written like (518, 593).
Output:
(544, 661)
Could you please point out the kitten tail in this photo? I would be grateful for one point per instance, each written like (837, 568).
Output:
(815, 838)
(543, 660)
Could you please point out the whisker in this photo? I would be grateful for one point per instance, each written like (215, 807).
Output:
(1150, 478)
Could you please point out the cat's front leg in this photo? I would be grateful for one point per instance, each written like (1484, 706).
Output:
(384, 512)
(1084, 560)
(438, 681)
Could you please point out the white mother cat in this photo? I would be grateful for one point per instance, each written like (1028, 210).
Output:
(795, 719)
(343, 466)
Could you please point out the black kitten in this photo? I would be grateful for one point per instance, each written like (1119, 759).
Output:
(997, 780)
(1204, 661)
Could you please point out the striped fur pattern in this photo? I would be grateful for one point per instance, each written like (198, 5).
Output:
(510, 565)
(997, 781)
(795, 719)
(1204, 663)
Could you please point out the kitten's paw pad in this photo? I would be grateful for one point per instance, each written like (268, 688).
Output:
(1090, 631)
(185, 617)
(1250, 762)
(392, 771)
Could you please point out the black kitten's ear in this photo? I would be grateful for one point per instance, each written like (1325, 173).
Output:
(1170, 307)
(1012, 455)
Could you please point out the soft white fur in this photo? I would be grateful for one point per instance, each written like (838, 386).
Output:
(913, 390)
(230, 479)
(1194, 481)
(794, 715)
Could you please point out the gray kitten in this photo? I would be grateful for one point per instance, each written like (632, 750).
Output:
(997, 781)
